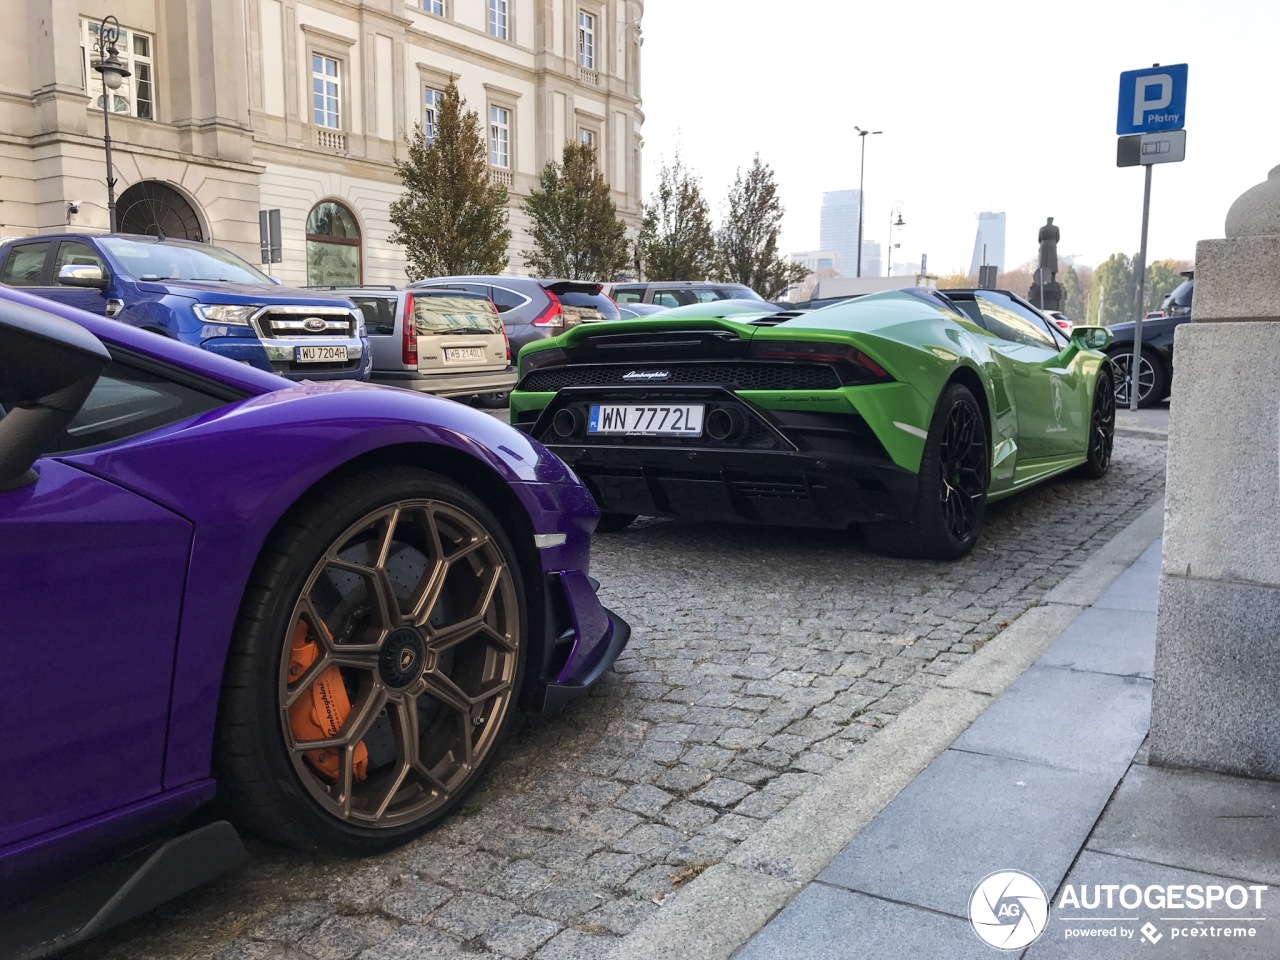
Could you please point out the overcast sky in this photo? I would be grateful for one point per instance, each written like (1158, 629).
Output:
(1003, 105)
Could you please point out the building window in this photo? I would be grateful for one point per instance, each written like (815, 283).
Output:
(587, 137)
(326, 90)
(431, 100)
(498, 19)
(137, 94)
(499, 137)
(333, 246)
(433, 6)
(586, 40)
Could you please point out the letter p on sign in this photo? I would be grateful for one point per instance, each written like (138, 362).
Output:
(1153, 99)
(1152, 92)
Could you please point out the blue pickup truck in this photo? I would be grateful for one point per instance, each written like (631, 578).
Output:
(196, 293)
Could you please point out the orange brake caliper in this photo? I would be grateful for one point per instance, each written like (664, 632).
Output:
(320, 713)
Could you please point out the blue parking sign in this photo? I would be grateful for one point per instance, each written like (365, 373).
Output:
(1152, 99)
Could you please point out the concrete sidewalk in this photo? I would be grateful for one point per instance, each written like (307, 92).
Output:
(1050, 781)
(1149, 424)
(1028, 757)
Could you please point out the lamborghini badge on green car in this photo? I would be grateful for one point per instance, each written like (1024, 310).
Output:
(904, 413)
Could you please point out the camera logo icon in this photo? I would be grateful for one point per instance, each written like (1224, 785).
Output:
(1009, 910)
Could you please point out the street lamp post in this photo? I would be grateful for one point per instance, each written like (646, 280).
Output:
(862, 169)
(896, 211)
(113, 72)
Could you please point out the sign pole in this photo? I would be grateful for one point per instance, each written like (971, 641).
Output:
(1135, 362)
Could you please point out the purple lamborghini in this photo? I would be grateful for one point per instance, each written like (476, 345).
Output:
(322, 602)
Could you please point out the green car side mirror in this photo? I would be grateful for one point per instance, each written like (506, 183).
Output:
(1091, 338)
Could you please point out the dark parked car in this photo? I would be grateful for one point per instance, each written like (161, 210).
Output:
(1155, 369)
(448, 342)
(197, 293)
(532, 309)
(323, 601)
(679, 293)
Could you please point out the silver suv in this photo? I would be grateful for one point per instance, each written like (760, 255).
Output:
(448, 342)
(534, 309)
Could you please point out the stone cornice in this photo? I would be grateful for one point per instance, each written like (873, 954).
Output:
(502, 91)
(325, 36)
(123, 146)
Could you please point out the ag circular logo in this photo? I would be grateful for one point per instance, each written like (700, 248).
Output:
(1009, 910)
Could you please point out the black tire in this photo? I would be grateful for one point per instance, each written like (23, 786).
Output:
(1102, 427)
(955, 471)
(494, 401)
(1154, 378)
(613, 522)
(412, 581)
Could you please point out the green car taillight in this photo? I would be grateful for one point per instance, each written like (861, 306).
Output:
(538, 359)
(854, 366)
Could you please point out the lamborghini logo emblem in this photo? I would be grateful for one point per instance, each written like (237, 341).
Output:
(1056, 386)
(407, 657)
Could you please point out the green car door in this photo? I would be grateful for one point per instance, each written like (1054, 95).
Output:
(1051, 396)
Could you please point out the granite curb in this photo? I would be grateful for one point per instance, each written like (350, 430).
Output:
(725, 906)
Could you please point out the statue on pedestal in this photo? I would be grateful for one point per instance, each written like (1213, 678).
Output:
(1049, 236)
(1046, 292)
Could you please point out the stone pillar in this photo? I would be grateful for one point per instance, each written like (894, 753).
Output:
(1216, 700)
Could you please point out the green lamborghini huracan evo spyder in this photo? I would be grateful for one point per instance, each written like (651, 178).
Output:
(903, 413)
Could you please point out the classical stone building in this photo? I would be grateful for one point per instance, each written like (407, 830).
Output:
(240, 106)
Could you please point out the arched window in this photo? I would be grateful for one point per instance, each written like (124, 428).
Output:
(333, 246)
(157, 210)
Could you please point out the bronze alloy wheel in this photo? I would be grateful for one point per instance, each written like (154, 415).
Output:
(399, 663)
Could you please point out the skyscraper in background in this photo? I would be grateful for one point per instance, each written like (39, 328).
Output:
(839, 228)
(872, 265)
(991, 234)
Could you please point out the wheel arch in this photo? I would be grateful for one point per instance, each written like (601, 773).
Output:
(479, 478)
(970, 378)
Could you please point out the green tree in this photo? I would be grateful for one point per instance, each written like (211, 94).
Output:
(1073, 304)
(1115, 290)
(747, 242)
(452, 217)
(574, 223)
(1162, 277)
(676, 239)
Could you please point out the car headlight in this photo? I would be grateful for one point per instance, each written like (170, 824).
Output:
(226, 313)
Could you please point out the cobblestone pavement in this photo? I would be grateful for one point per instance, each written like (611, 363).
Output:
(759, 659)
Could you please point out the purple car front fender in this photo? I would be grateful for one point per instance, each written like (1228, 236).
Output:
(263, 455)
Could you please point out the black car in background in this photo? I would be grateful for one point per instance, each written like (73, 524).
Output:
(1155, 368)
